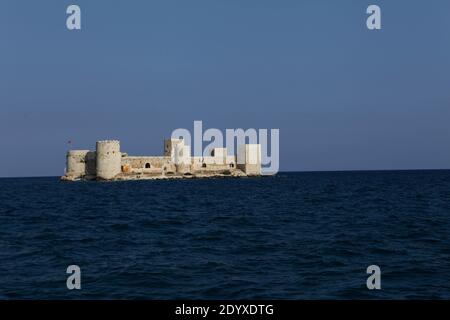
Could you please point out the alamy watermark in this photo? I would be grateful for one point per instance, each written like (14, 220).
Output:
(74, 280)
(373, 22)
(374, 280)
(73, 21)
(270, 148)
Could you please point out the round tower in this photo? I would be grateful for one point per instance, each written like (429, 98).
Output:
(108, 159)
(76, 163)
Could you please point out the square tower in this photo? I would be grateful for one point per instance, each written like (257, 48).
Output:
(249, 159)
(179, 153)
(170, 145)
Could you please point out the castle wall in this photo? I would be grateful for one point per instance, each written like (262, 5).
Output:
(213, 167)
(198, 161)
(211, 164)
(150, 165)
(91, 163)
(220, 161)
(108, 159)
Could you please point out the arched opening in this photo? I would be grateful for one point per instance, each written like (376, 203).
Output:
(204, 165)
(147, 166)
(231, 165)
(212, 153)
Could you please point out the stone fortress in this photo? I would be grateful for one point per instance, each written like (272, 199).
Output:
(107, 162)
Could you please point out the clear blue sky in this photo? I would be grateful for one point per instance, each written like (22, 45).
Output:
(342, 96)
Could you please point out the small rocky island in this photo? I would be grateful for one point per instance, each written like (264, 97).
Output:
(107, 162)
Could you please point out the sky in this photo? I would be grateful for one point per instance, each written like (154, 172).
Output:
(343, 97)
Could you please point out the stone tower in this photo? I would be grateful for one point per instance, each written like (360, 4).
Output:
(76, 163)
(108, 159)
(249, 159)
(180, 154)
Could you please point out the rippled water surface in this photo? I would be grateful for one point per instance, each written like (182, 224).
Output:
(293, 236)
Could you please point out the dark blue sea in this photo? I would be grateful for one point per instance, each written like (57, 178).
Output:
(292, 236)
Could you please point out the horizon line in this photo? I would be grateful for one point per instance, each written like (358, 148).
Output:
(284, 171)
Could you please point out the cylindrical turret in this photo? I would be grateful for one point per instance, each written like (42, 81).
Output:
(108, 159)
(76, 163)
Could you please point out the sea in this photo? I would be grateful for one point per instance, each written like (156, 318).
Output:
(296, 235)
